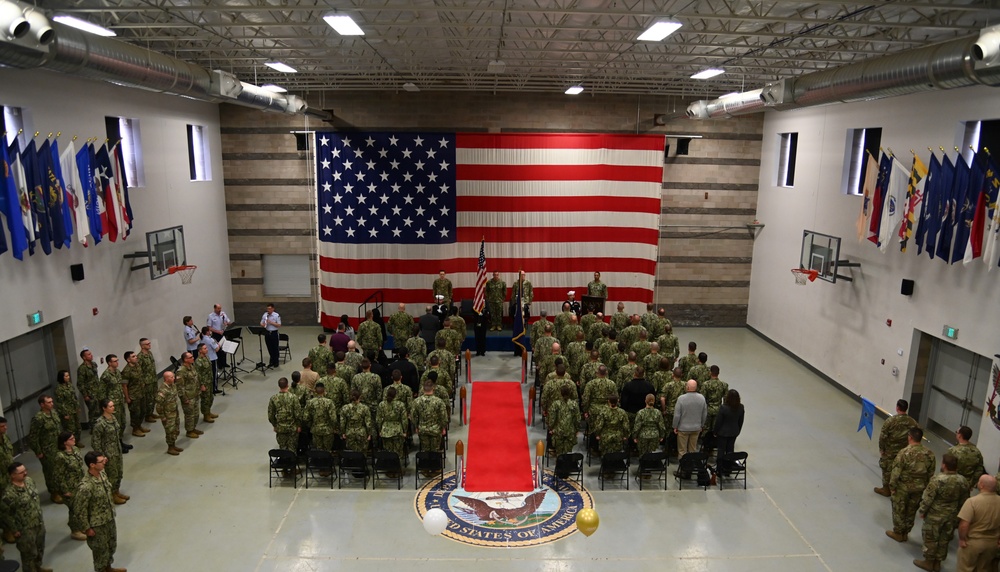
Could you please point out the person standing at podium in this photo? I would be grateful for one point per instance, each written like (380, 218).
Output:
(597, 288)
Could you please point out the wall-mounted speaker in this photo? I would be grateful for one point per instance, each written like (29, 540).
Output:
(906, 288)
(76, 271)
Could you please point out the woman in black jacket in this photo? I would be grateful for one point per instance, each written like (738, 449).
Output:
(729, 422)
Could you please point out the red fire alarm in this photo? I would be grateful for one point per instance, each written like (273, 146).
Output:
(95, 311)
(888, 323)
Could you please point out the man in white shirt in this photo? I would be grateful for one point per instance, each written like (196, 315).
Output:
(271, 321)
(218, 321)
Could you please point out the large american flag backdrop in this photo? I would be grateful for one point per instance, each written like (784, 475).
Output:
(396, 208)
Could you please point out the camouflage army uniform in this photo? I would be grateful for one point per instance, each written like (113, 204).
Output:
(669, 394)
(616, 363)
(648, 429)
(564, 422)
(189, 389)
(630, 335)
(418, 352)
(547, 364)
(22, 513)
(458, 324)
(599, 289)
(320, 414)
(542, 347)
(595, 332)
(147, 365)
(111, 388)
(619, 321)
(648, 321)
(42, 437)
(669, 346)
(452, 340)
(686, 362)
(345, 372)
(338, 391)
(356, 425)
(970, 462)
(86, 382)
(400, 327)
(588, 372)
(612, 428)
(576, 353)
(446, 359)
(370, 387)
(166, 408)
(132, 376)
(6, 458)
(442, 286)
(538, 332)
(641, 349)
(891, 440)
(105, 438)
(404, 395)
(651, 364)
(912, 469)
(496, 289)
(657, 327)
(321, 357)
(715, 391)
(660, 379)
(569, 334)
(701, 374)
(67, 473)
(95, 509)
(430, 416)
(353, 360)
(625, 374)
(68, 409)
(441, 393)
(586, 321)
(607, 351)
(561, 321)
(943, 497)
(393, 423)
(283, 413)
(443, 379)
(369, 336)
(552, 390)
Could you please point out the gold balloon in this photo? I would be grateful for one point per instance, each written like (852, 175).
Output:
(587, 521)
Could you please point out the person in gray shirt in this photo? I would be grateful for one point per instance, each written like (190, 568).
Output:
(690, 415)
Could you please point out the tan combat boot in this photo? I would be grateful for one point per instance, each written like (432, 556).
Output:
(209, 419)
(173, 451)
(882, 491)
(144, 430)
(192, 434)
(57, 498)
(77, 535)
(213, 415)
(138, 433)
(895, 536)
(122, 495)
(199, 431)
(929, 565)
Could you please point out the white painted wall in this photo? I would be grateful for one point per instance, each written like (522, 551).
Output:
(130, 305)
(841, 328)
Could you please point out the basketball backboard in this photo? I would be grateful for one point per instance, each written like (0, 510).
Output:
(166, 249)
(820, 252)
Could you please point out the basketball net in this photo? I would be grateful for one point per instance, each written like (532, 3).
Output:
(186, 272)
(803, 274)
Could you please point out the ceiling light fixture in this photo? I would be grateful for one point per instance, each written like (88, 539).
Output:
(283, 68)
(496, 66)
(709, 73)
(661, 29)
(274, 88)
(410, 86)
(344, 25)
(84, 25)
(575, 90)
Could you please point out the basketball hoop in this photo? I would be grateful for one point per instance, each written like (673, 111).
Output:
(186, 272)
(803, 274)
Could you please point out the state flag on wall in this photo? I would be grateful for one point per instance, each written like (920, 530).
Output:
(395, 208)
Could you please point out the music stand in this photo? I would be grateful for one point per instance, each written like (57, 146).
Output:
(228, 374)
(260, 331)
(236, 335)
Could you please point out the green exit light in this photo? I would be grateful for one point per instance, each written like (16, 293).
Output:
(35, 318)
(951, 333)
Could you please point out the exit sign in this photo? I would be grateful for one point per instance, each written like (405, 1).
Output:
(35, 318)
(950, 333)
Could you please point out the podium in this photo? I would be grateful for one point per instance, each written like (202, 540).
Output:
(593, 304)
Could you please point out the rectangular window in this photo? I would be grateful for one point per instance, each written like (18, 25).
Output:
(198, 157)
(124, 131)
(13, 125)
(855, 158)
(286, 275)
(787, 148)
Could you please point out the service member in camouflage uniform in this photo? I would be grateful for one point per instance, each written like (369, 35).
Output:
(445, 357)
(320, 414)
(970, 459)
(104, 438)
(630, 334)
(564, 421)
(911, 471)
(147, 365)
(67, 405)
(577, 354)
(416, 349)
(400, 327)
(642, 346)
(669, 394)
(42, 436)
(563, 320)
(112, 387)
(6, 455)
(891, 440)
(206, 398)
(320, 355)
(944, 495)
(392, 422)
(496, 290)
(587, 321)
(658, 326)
(430, 416)
(662, 376)
(134, 387)
(356, 423)
(538, 329)
(336, 389)
(588, 370)
(344, 371)
(611, 427)
(166, 409)
(369, 385)
(458, 323)
(442, 286)
(189, 388)
(597, 288)
(94, 506)
(452, 339)
(22, 515)
(283, 413)
(403, 392)
(651, 361)
(67, 474)
(626, 372)
(369, 335)
(595, 331)
(669, 345)
(619, 320)
(87, 382)
(571, 331)
(649, 427)
(714, 390)
(442, 379)
(552, 388)
(688, 360)
(596, 394)
(700, 371)
(649, 319)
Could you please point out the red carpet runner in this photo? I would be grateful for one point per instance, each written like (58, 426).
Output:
(499, 459)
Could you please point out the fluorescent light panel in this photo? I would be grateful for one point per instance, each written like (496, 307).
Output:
(659, 31)
(344, 25)
(274, 88)
(84, 25)
(281, 67)
(410, 86)
(709, 73)
(576, 89)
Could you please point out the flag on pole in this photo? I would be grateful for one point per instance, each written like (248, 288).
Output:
(914, 197)
(479, 300)
(984, 202)
(10, 205)
(949, 215)
(895, 197)
(867, 416)
(394, 208)
(879, 198)
(867, 191)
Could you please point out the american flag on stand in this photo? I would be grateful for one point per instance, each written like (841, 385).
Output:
(479, 300)
(396, 208)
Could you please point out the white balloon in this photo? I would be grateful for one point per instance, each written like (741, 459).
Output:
(435, 521)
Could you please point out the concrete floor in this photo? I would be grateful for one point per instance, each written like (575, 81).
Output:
(809, 505)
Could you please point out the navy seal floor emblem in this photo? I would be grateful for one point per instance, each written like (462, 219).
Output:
(506, 520)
